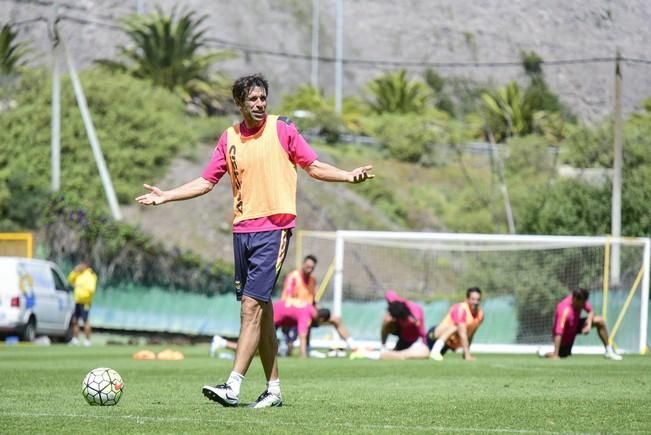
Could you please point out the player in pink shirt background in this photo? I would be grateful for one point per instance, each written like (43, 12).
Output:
(568, 323)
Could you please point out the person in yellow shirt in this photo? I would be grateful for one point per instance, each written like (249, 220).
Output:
(84, 282)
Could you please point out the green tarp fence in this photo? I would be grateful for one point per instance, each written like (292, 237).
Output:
(136, 308)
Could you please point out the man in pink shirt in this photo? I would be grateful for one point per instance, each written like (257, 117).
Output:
(260, 155)
(568, 323)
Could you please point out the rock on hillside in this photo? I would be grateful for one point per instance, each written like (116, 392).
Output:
(405, 31)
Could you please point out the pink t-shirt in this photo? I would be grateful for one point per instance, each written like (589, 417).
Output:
(566, 320)
(409, 331)
(299, 152)
(290, 316)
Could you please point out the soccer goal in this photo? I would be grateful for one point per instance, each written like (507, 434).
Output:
(16, 245)
(521, 277)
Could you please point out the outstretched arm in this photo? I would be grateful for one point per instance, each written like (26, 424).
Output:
(197, 187)
(326, 172)
(462, 330)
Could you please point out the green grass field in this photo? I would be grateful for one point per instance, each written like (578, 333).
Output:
(40, 393)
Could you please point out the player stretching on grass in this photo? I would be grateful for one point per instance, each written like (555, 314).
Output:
(260, 154)
(458, 327)
(404, 319)
(568, 323)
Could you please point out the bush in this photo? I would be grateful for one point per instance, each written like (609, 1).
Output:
(140, 128)
(408, 137)
(121, 253)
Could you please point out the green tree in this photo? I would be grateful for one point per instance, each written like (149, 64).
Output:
(394, 93)
(12, 52)
(167, 50)
(507, 113)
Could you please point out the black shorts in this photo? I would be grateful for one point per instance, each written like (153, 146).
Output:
(403, 344)
(566, 350)
(431, 339)
(81, 312)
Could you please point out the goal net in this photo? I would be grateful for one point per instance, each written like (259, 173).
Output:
(522, 278)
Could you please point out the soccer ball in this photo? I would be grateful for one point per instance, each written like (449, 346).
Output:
(102, 387)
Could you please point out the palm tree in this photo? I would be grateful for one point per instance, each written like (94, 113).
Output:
(12, 53)
(507, 112)
(393, 93)
(166, 49)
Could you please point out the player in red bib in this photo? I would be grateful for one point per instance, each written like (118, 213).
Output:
(568, 323)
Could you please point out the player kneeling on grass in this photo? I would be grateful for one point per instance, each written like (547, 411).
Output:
(568, 323)
(288, 318)
(406, 320)
(458, 327)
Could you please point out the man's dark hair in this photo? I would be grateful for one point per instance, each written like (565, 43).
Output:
(580, 294)
(243, 86)
(399, 310)
(310, 257)
(473, 290)
(323, 314)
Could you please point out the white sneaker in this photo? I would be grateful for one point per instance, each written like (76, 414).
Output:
(216, 343)
(87, 343)
(73, 342)
(267, 400)
(612, 355)
(222, 393)
(436, 356)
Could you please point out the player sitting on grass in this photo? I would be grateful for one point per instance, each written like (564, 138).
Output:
(288, 317)
(406, 320)
(568, 323)
(457, 328)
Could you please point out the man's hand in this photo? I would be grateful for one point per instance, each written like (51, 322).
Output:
(154, 197)
(469, 357)
(586, 328)
(553, 357)
(360, 174)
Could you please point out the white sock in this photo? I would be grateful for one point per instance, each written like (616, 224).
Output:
(350, 343)
(609, 349)
(235, 382)
(438, 346)
(274, 386)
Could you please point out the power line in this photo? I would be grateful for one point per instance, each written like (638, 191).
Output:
(28, 21)
(223, 43)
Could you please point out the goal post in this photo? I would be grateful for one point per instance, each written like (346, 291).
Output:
(522, 278)
(16, 245)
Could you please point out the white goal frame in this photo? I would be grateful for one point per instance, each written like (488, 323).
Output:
(340, 238)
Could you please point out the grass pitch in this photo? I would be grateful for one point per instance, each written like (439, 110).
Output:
(40, 393)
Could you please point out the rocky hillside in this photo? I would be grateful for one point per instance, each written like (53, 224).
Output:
(407, 31)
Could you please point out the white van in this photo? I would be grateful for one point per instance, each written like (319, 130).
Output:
(35, 299)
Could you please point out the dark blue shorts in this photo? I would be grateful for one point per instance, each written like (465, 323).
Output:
(258, 260)
(81, 312)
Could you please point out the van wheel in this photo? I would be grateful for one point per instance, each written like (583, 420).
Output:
(66, 338)
(29, 331)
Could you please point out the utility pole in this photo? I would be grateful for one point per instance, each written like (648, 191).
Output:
(314, 77)
(339, 52)
(616, 220)
(499, 166)
(92, 136)
(55, 126)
